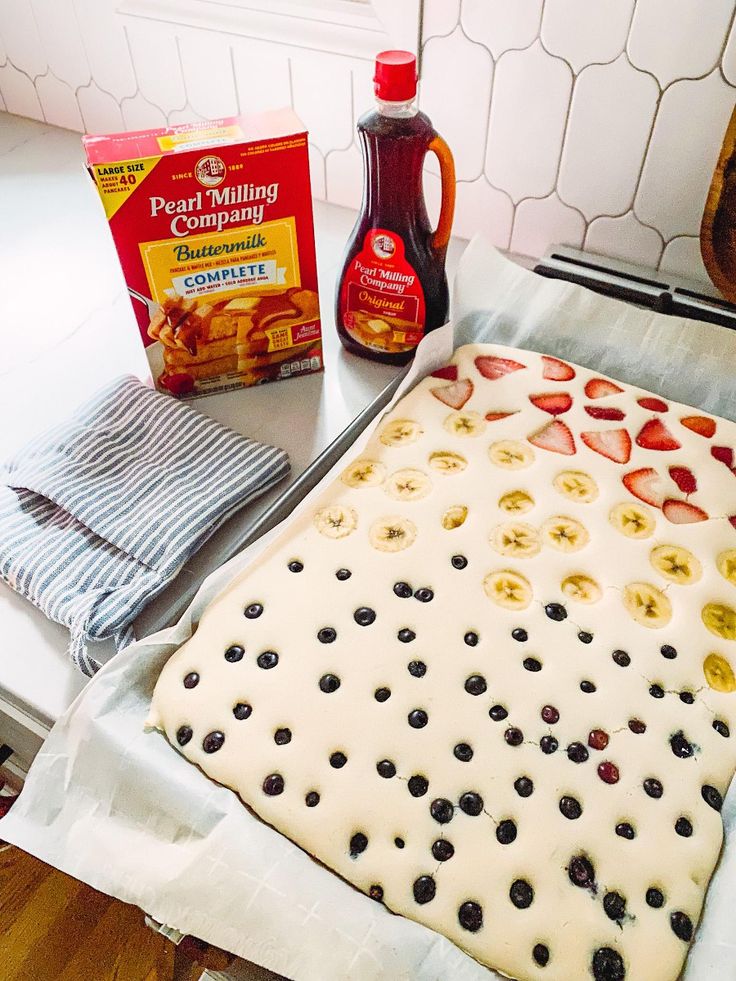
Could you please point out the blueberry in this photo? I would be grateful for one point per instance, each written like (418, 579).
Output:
(312, 799)
(471, 803)
(506, 832)
(253, 611)
(338, 760)
(712, 797)
(681, 746)
(721, 728)
(518, 633)
(343, 574)
(498, 713)
(471, 638)
(386, 769)
(376, 892)
(470, 916)
(540, 953)
(683, 827)
(183, 735)
(458, 562)
(358, 844)
(521, 894)
(234, 653)
(418, 718)
(382, 694)
(666, 650)
(424, 594)
(242, 710)
(687, 697)
(532, 664)
(548, 745)
(587, 686)
(329, 683)
(463, 752)
(556, 611)
(191, 680)
(296, 566)
(682, 926)
(577, 753)
(268, 659)
(424, 889)
(653, 788)
(621, 658)
(405, 635)
(399, 842)
(524, 786)
(442, 850)
(656, 691)
(581, 872)
(625, 830)
(584, 637)
(327, 635)
(514, 736)
(282, 736)
(475, 684)
(213, 741)
(418, 785)
(608, 965)
(570, 808)
(403, 590)
(637, 726)
(655, 898)
(364, 616)
(273, 785)
(550, 715)
(614, 905)
(417, 669)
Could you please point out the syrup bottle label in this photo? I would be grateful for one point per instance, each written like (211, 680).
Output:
(381, 298)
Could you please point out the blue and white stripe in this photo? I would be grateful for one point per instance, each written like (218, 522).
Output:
(99, 514)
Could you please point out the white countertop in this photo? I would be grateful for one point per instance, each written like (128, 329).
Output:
(68, 328)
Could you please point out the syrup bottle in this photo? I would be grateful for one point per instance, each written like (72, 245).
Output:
(393, 288)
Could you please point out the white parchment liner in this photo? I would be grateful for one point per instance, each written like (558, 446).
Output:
(117, 808)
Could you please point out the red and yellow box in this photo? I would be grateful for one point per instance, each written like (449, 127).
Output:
(213, 226)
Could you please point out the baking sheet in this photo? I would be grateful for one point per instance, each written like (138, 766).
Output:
(117, 808)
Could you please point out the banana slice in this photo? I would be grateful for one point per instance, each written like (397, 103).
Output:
(363, 473)
(443, 461)
(564, 534)
(676, 564)
(511, 454)
(465, 423)
(454, 517)
(726, 563)
(720, 620)
(576, 485)
(400, 431)
(719, 673)
(647, 604)
(632, 520)
(581, 588)
(516, 502)
(392, 534)
(516, 538)
(336, 521)
(408, 485)
(508, 589)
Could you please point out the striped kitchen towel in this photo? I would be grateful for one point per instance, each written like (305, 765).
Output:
(98, 514)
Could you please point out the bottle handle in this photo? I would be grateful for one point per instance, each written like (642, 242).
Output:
(441, 235)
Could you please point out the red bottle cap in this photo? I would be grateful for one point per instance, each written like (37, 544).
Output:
(395, 79)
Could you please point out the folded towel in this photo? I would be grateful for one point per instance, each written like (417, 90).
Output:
(98, 514)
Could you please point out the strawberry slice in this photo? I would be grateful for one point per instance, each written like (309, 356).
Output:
(553, 402)
(494, 368)
(700, 425)
(645, 484)
(605, 412)
(654, 405)
(655, 435)
(555, 437)
(598, 388)
(685, 479)
(455, 395)
(724, 454)
(732, 520)
(683, 513)
(495, 416)
(556, 370)
(448, 372)
(614, 444)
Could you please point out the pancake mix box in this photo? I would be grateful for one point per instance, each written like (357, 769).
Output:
(213, 227)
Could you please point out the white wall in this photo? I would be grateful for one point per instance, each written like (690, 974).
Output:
(595, 123)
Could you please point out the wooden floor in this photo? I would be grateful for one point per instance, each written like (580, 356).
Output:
(53, 928)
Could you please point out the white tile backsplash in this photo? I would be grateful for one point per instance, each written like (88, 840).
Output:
(610, 121)
(523, 151)
(571, 121)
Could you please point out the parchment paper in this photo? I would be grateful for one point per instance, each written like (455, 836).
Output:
(117, 808)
